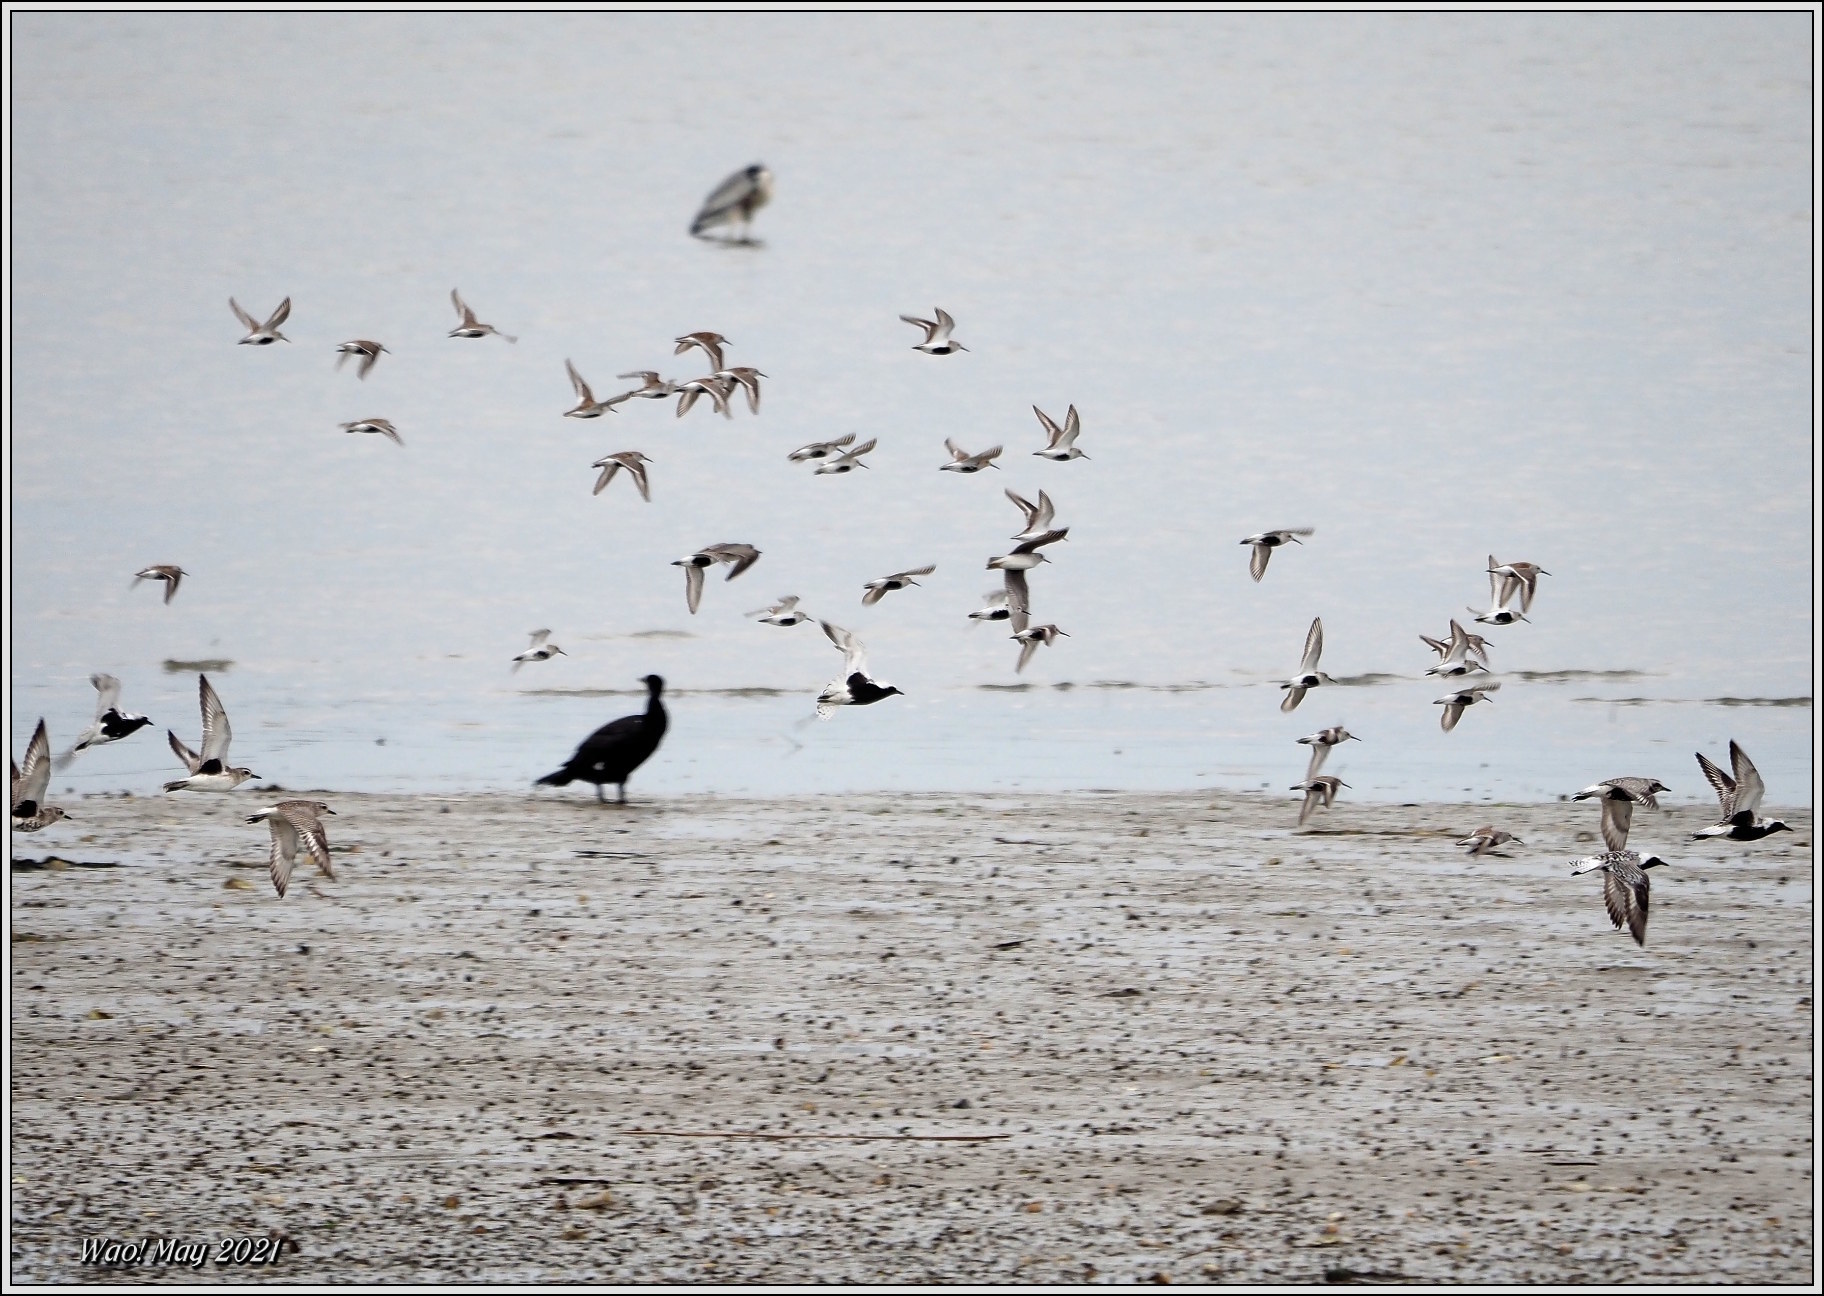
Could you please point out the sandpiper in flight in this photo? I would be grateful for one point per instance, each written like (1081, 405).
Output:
(470, 327)
(541, 650)
(1061, 442)
(1308, 676)
(171, 576)
(377, 426)
(847, 460)
(876, 590)
(740, 556)
(937, 333)
(1487, 838)
(262, 334)
(635, 464)
(820, 449)
(1453, 703)
(587, 406)
(1266, 542)
(1319, 790)
(368, 351)
(961, 461)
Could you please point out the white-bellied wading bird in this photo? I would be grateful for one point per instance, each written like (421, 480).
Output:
(1061, 442)
(171, 576)
(717, 389)
(1319, 790)
(1619, 796)
(30, 813)
(847, 460)
(262, 334)
(875, 590)
(652, 387)
(1457, 657)
(368, 351)
(209, 769)
(998, 606)
(587, 406)
(1013, 568)
(1038, 516)
(1308, 676)
(1320, 744)
(783, 613)
(1624, 887)
(1501, 591)
(295, 823)
(377, 427)
(937, 333)
(1453, 703)
(735, 199)
(740, 556)
(111, 723)
(962, 461)
(470, 327)
(612, 753)
(635, 464)
(710, 344)
(1266, 542)
(1487, 838)
(748, 379)
(854, 687)
(1474, 644)
(541, 650)
(1030, 639)
(1740, 797)
(1526, 573)
(820, 449)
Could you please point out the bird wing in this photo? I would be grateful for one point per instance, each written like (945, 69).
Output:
(957, 453)
(1027, 648)
(35, 777)
(1724, 785)
(944, 322)
(1312, 796)
(865, 447)
(1039, 542)
(280, 315)
(1293, 697)
(1054, 435)
(538, 637)
(284, 850)
(107, 690)
(310, 832)
(1748, 786)
(875, 592)
(1453, 712)
(252, 325)
(172, 580)
(1257, 562)
(216, 733)
(463, 313)
(1314, 646)
(191, 760)
(989, 455)
(638, 472)
(693, 586)
(916, 571)
(1072, 426)
(1617, 818)
(1024, 505)
(1017, 593)
(609, 466)
(740, 556)
(1320, 752)
(854, 654)
(576, 381)
(928, 326)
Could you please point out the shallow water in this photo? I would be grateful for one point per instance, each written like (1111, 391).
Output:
(1437, 285)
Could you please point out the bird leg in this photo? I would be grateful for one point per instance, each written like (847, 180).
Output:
(598, 795)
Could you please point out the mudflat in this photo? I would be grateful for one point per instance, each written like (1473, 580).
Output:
(935, 1037)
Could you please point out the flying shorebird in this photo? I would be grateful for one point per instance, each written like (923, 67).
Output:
(30, 813)
(635, 464)
(111, 723)
(736, 199)
(1740, 797)
(1318, 789)
(937, 333)
(999, 606)
(652, 387)
(1308, 676)
(209, 770)
(587, 406)
(854, 687)
(741, 556)
(710, 344)
(847, 460)
(1038, 516)
(748, 378)
(717, 389)
(378, 426)
(1453, 703)
(1061, 443)
(1320, 743)
(262, 334)
(1013, 568)
(470, 327)
(1457, 656)
(1501, 591)
(1030, 639)
(1483, 840)
(295, 823)
(783, 613)
(1474, 644)
(962, 461)
(876, 590)
(1526, 573)
(368, 351)
(541, 650)
(1624, 887)
(1266, 542)
(171, 576)
(820, 449)
(1619, 796)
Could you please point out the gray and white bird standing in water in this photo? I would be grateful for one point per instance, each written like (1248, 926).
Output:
(171, 576)
(1308, 676)
(635, 464)
(111, 723)
(209, 769)
(1487, 838)
(612, 753)
(1619, 796)
(368, 351)
(1320, 744)
(1318, 790)
(1624, 887)
(961, 461)
(1454, 703)
(1266, 542)
(876, 590)
(469, 326)
(376, 426)
(541, 650)
(1740, 797)
(854, 687)
(294, 824)
(587, 406)
(29, 785)
(735, 199)
(1060, 442)
(739, 556)
(259, 334)
(937, 333)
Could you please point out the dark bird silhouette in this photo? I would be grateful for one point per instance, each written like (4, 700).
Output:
(618, 748)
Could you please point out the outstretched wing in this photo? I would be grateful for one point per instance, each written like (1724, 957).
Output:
(1257, 563)
(1617, 818)
(280, 315)
(1054, 434)
(1748, 786)
(35, 776)
(191, 760)
(854, 653)
(693, 586)
(247, 321)
(107, 690)
(216, 733)
(1724, 785)
(576, 381)
(1314, 646)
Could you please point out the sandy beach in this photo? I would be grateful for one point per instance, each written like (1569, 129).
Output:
(1095, 1037)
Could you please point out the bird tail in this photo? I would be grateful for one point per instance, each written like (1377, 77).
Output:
(178, 786)
(560, 778)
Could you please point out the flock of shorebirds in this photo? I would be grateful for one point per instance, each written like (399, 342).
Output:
(612, 753)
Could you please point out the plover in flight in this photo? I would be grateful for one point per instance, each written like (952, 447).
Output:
(262, 334)
(111, 723)
(295, 823)
(635, 464)
(1061, 443)
(717, 389)
(1485, 839)
(820, 449)
(847, 460)
(541, 650)
(612, 753)
(1453, 703)
(1619, 796)
(1030, 639)
(1624, 887)
(1501, 591)
(1038, 516)
(962, 461)
(783, 613)
(736, 199)
(171, 576)
(1266, 542)
(587, 406)
(1319, 790)
(1457, 657)
(368, 351)
(937, 333)
(875, 590)
(1526, 573)
(741, 556)
(1320, 743)
(209, 769)
(652, 387)
(1740, 797)
(30, 813)
(710, 344)
(1013, 568)
(1308, 676)
(378, 426)
(1474, 644)
(470, 327)
(748, 379)
(854, 687)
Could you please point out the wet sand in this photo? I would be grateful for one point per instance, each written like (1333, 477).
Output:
(1091, 1037)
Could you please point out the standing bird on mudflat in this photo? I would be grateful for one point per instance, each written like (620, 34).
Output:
(111, 723)
(209, 769)
(1740, 797)
(1619, 796)
(635, 464)
(739, 556)
(612, 753)
(171, 576)
(1624, 887)
(854, 687)
(1266, 542)
(293, 824)
(259, 334)
(876, 590)
(1308, 676)
(469, 326)
(735, 199)
(937, 334)
(1060, 442)
(29, 786)
(1454, 703)
(368, 351)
